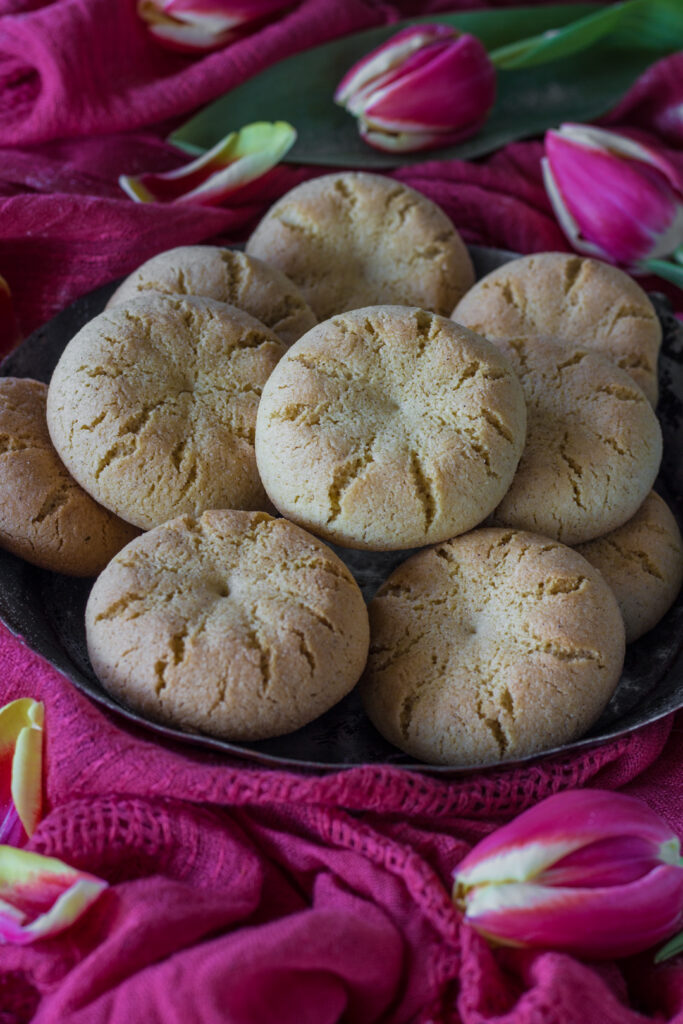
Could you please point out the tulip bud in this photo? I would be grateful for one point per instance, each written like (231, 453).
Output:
(427, 86)
(587, 872)
(196, 26)
(615, 198)
(237, 160)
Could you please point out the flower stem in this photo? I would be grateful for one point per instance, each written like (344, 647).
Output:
(672, 947)
(678, 254)
(662, 268)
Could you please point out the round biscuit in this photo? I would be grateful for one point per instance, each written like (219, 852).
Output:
(152, 407)
(227, 276)
(495, 645)
(570, 299)
(45, 517)
(235, 624)
(642, 562)
(353, 239)
(389, 427)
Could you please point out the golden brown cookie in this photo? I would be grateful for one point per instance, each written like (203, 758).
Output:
(235, 624)
(389, 427)
(570, 299)
(643, 563)
(353, 239)
(495, 645)
(45, 517)
(152, 407)
(227, 276)
(593, 445)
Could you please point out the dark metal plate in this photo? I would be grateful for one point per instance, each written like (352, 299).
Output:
(47, 609)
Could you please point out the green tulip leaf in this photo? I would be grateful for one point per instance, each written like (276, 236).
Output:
(672, 948)
(579, 86)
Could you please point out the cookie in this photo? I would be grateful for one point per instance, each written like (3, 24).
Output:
(569, 298)
(642, 562)
(593, 445)
(493, 646)
(227, 276)
(389, 427)
(45, 517)
(235, 624)
(352, 239)
(152, 407)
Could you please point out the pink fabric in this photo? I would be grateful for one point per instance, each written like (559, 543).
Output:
(237, 893)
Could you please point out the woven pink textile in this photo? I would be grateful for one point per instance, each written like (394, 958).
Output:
(241, 894)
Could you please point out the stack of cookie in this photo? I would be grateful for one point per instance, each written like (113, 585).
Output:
(320, 376)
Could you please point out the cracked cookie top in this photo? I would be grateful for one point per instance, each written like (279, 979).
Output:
(492, 646)
(570, 299)
(643, 563)
(45, 517)
(354, 239)
(389, 427)
(227, 276)
(235, 624)
(593, 445)
(152, 407)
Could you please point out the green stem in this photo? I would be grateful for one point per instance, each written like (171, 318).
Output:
(662, 268)
(678, 254)
(672, 947)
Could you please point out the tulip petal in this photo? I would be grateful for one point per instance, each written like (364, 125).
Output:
(234, 162)
(611, 922)
(614, 196)
(41, 896)
(202, 25)
(21, 738)
(427, 86)
(554, 828)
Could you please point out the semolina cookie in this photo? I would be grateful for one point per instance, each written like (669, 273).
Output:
(571, 299)
(45, 517)
(152, 407)
(353, 239)
(495, 645)
(227, 276)
(389, 427)
(593, 445)
(235, 624)
(642, 562)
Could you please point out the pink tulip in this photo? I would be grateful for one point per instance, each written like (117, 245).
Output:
(427, 86)
(196, 26)
(41, 896)
(589, 872)
(616, 198)
(21, 741)
(237, 160)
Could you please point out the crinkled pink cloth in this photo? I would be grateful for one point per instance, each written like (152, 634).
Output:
(241, 894)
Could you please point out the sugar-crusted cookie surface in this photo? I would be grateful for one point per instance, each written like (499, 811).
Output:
(235, 624)
(492, 646)
(227, 276)
(353, 239)
(45, 517)
(389, 427)
(593, 445)
(642, 562)
(570, 299)
(152, 407)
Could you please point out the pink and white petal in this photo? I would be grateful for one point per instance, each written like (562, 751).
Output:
(41, 896)
(21, 740)
(236, 160)
(554, 828)
(611, 922)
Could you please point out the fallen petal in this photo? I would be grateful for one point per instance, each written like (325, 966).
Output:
(234, 162)
(21, 740)
(41, 896)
